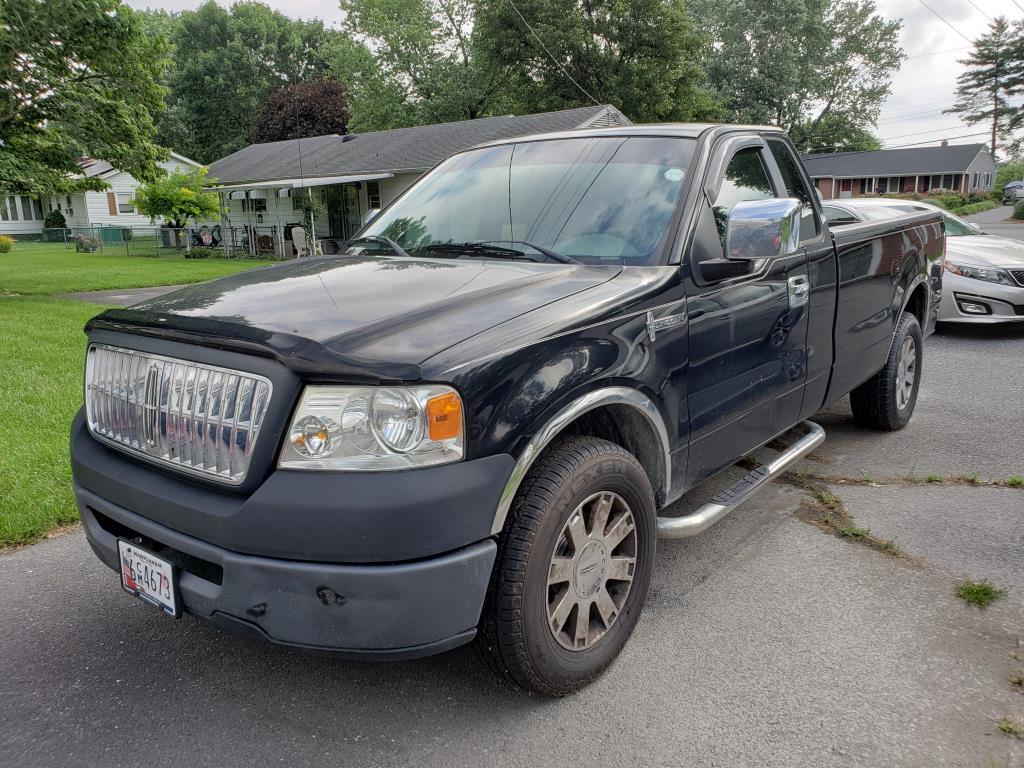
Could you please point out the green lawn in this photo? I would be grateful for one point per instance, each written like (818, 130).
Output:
(41, 358)
(42, 349)
(45, 268)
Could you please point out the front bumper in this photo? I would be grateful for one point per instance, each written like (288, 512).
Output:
(396, 611)
(369, 564)
(1005, 303)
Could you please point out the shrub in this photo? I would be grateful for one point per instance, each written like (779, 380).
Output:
(55, 220)
(1018, 210)
(6, 243)
(201, 252)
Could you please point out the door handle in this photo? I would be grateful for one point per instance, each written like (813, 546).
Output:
(799, 291)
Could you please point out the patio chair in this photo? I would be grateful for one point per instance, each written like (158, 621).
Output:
(299, 241)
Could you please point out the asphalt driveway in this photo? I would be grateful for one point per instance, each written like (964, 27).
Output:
(766, 641)
(998, 222)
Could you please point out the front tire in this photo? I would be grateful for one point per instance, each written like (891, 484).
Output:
(573, 568)
(886, 401)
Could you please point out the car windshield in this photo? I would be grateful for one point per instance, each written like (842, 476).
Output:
(957, 227)
(606, 200)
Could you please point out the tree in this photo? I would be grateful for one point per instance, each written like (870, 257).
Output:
(77, 78)
(819, 68)
(642, 56)
(1012, 170)
(226, 63)
(177, 198)
(314, 108)
(427, 68)
(995, 74)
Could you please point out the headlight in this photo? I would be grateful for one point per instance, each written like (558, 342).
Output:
(988, 274)
(374, 428)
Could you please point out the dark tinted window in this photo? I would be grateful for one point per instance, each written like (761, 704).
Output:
(599, 200)
(796, 188)
(746, 178)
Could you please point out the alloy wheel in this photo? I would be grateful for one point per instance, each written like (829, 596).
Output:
(591, 570)
(906, 372)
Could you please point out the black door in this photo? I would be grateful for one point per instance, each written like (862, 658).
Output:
(747, 331)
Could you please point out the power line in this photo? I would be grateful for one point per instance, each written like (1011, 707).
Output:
(929, 141)
(1018, 5)
(905, 107)
(936, 53)
(921, 133)
(943, 20)
(913, 116)
(833, 150)
(979, 10)
(550, 55)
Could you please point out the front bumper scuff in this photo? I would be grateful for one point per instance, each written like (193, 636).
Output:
(402, 610)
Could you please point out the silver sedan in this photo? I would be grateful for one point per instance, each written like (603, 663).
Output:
(984, 277)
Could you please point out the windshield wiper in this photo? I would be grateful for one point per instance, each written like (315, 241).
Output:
(486, 248)
(379, 239)
(553, 255)
(477, 249)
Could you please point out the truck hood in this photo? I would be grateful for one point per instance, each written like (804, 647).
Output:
(362, 317)
(986, 250)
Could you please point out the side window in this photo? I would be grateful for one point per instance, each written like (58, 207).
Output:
(838, 216)
(795, 188)
(746, 178)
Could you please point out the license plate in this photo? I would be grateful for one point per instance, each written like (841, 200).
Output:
(148, 577)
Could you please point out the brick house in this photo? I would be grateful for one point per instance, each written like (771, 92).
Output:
(963, 168)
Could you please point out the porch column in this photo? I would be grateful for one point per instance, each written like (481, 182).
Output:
(223, 223)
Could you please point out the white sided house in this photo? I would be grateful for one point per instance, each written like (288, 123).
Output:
(23, 215)
(356, 175)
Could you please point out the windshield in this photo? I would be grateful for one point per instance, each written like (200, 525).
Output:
(603, 200)
(957, 227)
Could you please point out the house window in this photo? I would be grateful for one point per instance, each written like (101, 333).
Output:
(4, 215)
(373, 195)
(124, 202)
(12, 202)
(37, 206)
(936, 182)
(988, 180)
(974, 181)
(893, 184)
(255, 205)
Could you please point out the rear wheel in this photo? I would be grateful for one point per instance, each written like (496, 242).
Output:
(574, 565)
(886, 401)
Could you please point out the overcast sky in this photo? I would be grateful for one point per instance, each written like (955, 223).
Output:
(921, 89)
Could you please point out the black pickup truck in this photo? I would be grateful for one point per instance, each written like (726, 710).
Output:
(470, 423)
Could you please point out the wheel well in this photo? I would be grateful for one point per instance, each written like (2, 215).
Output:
(918, 304)
(628, 427)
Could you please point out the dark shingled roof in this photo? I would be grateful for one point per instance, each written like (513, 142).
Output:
(401, 149)
(893, 162)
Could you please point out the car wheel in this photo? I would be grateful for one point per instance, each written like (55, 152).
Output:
(886, 401)
(573, 568)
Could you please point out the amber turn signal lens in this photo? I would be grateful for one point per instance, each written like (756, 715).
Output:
(444, 416)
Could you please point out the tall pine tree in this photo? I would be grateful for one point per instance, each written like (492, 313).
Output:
(995, 74)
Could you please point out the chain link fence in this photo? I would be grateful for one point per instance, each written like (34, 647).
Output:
(214, 241)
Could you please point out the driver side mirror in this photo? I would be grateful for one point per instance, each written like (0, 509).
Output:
(763, 229)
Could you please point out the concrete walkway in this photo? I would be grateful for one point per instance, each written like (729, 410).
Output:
(124, 297)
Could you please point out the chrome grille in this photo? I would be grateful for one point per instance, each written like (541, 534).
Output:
(198, 418)
(1018, 275)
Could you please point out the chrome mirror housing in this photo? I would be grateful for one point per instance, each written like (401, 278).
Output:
(763, 229)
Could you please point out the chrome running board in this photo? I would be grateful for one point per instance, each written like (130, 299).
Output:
(725, 502)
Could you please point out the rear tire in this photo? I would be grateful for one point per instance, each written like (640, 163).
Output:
(558, 559)
(886, 401)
